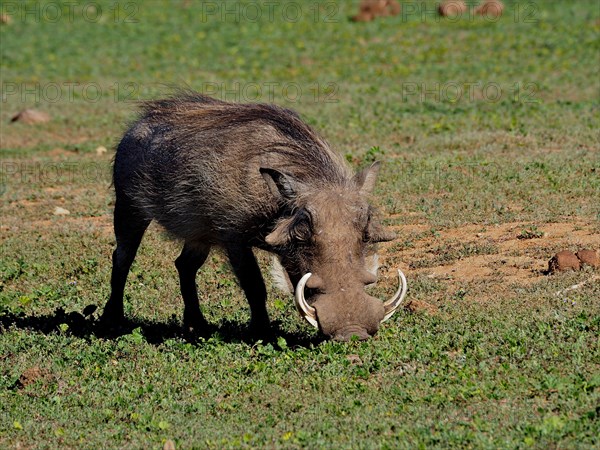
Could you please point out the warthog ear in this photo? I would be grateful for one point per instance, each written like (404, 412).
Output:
(280, 185)
(375, 232)
(366, 178)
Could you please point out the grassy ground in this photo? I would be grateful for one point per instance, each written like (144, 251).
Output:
(489, 134)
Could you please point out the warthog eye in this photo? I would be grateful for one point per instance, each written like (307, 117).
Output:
(297, 229)
(301, 228)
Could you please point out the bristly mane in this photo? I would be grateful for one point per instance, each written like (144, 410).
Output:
(191, 113)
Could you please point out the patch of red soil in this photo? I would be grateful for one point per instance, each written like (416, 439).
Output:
(509, 260)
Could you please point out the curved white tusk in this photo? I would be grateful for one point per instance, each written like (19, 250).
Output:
(305, 310)
(393, 303)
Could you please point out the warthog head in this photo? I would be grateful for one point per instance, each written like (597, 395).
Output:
(324, 240)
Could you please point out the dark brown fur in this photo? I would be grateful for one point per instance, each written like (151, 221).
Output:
(240, 176)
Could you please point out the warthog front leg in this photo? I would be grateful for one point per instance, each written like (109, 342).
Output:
(188, 263)
(248, 273)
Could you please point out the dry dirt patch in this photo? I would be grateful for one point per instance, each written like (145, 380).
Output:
(32, 375)
(490, 255)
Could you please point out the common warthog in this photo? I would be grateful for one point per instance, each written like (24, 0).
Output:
(238, 176)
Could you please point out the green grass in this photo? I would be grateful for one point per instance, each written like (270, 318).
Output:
(508, 365)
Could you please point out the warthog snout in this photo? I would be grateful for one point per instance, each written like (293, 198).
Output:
(351, 332)
(347, 312)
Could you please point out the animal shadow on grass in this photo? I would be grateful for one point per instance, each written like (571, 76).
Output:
(155, 333)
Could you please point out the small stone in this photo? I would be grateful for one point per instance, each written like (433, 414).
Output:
(31, 116)
(5, 19)
(588, 257)
(565, 260)
(393, 8)
(370, 9)
(58, 211)
(169, 445)
(452, 8)
(490, 9)
(101, 150)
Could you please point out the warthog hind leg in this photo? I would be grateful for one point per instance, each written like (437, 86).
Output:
(130, 226)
